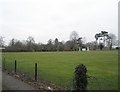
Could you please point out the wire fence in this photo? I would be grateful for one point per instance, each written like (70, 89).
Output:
(13, 67)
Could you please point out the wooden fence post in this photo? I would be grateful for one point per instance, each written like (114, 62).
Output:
(35, 71)
(15, 66)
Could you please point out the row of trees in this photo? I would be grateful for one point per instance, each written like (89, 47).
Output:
(30, 45)
(73, 44)
(52, 45)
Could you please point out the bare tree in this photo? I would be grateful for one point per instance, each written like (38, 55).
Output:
(30, 43)
(30, 39)
(73, 40)
(74, 35)
(113, 38)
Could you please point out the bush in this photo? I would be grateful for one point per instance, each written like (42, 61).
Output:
(80, 78)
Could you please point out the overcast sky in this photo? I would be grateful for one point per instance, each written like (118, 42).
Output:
(50, 19)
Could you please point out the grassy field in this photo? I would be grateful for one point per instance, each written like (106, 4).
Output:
(58, 67)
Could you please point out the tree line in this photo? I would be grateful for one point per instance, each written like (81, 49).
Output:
(30, 45)
(73, 44)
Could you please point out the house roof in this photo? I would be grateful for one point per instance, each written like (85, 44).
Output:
(1, 48)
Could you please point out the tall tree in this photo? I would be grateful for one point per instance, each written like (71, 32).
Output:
(49, 45)
(80, 43)
(96, 37)
(105, 35)
(12, 42)
(60, 46)
(74, 35)
(102, 36)
(56, 43)
(73, 38)
(67, 46)
(30, 43)
(2, 41)
(113, 38)
(30, 39)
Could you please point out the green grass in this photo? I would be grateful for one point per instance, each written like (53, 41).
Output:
(58, 67)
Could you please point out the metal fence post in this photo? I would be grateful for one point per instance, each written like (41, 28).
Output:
(4, 64)
(35, 71)
(15, 66)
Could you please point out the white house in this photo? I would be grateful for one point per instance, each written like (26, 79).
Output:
(84, 49)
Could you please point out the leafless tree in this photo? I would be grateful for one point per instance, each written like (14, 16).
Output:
(74, 35)
(30, 43)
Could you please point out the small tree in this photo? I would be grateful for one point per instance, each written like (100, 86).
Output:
(81, 78)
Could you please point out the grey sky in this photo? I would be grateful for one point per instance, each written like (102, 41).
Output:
(45, 19)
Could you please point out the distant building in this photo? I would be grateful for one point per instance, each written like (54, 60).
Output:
(84, 48)
(115, 47)
(2, 48)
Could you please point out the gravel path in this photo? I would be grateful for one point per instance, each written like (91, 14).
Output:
(12, 83)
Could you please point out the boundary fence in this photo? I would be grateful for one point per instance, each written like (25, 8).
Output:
(15, 68)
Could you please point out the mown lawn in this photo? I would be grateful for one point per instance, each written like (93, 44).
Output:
(58, 67)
